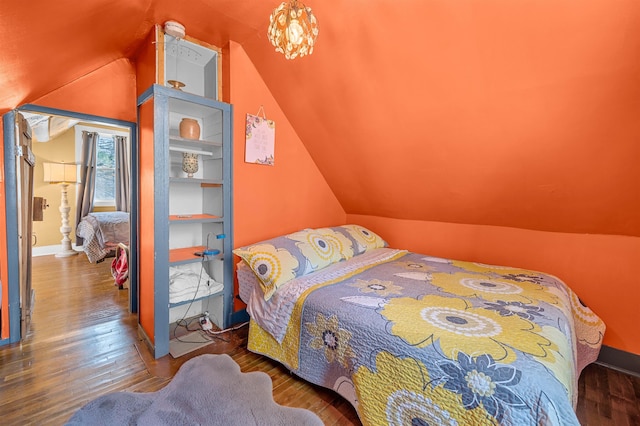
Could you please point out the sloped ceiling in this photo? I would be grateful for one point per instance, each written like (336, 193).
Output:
(496, 112)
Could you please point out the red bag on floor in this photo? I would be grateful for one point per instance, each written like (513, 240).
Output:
(120, 266)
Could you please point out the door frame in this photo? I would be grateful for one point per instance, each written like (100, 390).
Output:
(11, 208)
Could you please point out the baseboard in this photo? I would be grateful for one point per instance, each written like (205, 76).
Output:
(48, 250)
(147, 341)
(625, 362)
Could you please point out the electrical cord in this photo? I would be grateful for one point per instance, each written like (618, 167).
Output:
(226, 330)
(216, 334)
(182, 322)
(206, 253)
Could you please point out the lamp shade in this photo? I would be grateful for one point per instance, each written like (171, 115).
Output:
(60, 172)
(293, 29)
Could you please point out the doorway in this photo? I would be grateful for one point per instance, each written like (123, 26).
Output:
(18, 268)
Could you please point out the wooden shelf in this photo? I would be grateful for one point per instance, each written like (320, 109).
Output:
(208, 150)
(196, 218)
(202, 182)
(185, 255)
(193, 143)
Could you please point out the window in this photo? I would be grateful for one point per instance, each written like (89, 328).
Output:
(105, 187)
(105, 171)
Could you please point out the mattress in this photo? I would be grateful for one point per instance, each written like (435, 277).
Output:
(102, 232)
(410, 338)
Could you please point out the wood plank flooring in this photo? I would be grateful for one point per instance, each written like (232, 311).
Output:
(83, 343)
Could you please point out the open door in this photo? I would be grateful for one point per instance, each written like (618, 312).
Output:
(16, 294)
(19, 163)
(25, 161)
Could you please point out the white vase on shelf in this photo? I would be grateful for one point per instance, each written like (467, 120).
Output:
(189, 163)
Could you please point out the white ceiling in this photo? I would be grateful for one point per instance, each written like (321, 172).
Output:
(45, 127)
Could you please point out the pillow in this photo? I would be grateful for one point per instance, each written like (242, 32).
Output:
(340, 241)
(279, 260)
(363, 239)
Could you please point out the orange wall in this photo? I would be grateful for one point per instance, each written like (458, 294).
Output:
(109, 91)
(146, 58)
(601, 269)
(487, 112)
(146, 235)
(272, 200)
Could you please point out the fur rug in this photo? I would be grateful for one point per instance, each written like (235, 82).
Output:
(206, 390)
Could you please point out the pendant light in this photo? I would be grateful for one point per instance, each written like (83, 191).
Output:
(293, 29)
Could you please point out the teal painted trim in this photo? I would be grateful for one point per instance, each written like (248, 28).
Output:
(133, 187)
(238, 317)
(625, 362)
(161, 222)
(144, 97)
(11, 215)
(227, 196)
(134, 290)
(79, 115)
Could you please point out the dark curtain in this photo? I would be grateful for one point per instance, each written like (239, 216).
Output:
(86, 188)
(122, 175)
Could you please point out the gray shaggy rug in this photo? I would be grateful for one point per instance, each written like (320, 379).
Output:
(206, 390)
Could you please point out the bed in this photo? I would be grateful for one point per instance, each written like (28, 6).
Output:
(102, 232)
(409, 338)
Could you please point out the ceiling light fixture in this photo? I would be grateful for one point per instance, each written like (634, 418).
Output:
(293, 29)
(175, 29)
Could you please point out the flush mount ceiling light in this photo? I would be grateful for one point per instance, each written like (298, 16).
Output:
(175, 29)
(293, 29)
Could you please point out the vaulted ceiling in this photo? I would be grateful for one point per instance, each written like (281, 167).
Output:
(494, 112)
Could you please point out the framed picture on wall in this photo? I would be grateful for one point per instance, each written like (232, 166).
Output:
(260, 140)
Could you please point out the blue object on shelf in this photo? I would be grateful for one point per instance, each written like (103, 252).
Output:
(221, 236)
(211, 252)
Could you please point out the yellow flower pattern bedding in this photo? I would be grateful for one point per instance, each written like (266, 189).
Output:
(418, 340)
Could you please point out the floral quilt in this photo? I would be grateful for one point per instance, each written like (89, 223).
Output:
(101, 232)
(423, 340)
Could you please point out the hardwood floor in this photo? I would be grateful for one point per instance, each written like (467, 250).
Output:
(83, 343)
